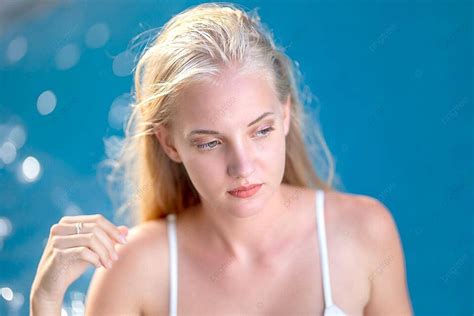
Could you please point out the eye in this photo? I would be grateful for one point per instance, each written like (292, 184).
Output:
(265, 131)
(211, 145)
(207, 146)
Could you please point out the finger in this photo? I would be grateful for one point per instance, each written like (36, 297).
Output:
(89, 240)
(107, 242)
(85, 254)
(70, 229)
(109, 228)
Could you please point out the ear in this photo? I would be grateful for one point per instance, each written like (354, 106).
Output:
(163, 134)
(287, 114)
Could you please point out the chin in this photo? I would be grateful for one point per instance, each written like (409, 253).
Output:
(246, 207)
(244, 212)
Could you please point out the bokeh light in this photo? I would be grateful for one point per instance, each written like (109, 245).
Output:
(46, 102)
(17, 136)
(31, 169)
(5, 227)
(123, 64)
(67, 57)
(7, 293)
(97, 35)
(8, 152)
(17, 49)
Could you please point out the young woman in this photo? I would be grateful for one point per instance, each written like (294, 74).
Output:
(232, 216)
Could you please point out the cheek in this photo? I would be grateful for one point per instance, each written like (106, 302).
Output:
(203, 171)
(194, 167)
(272, 149)
(273, 157)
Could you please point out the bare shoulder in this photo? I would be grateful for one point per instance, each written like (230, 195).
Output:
(135, 281)
(358, 225)
(363, 218)
(372, 226)
(366, 218)
(362, 212)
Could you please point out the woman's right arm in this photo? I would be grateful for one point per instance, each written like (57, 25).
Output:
(68, 254)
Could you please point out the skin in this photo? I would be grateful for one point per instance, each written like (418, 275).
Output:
(68, 254)
(262, 250)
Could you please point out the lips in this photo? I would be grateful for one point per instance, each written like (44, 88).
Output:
(244, 188)
(246, 191)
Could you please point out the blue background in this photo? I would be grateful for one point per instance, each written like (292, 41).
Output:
(394, 83)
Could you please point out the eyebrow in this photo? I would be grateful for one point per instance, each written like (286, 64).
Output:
(210, 132)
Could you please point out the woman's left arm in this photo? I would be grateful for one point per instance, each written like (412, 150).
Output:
(389, 293)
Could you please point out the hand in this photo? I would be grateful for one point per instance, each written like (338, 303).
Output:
(68, 254)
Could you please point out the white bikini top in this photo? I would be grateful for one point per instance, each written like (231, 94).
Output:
(330, 308)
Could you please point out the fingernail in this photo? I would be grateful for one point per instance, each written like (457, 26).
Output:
(114, 256)
(108, 264)
(122, 239)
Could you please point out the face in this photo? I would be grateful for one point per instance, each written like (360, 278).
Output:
(230, 133)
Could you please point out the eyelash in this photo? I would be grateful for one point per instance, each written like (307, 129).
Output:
(205, 147)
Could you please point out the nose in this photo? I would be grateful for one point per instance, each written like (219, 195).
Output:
(241, 164)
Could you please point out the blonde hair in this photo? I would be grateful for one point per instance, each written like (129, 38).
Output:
(194, 45)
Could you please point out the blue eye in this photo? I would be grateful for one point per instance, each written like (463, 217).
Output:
(206, 146)
(213, 144)
(266, 130)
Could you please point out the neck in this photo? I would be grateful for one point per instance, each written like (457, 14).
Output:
(253, 238)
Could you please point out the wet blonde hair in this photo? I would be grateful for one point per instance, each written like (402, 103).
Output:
(195, 45)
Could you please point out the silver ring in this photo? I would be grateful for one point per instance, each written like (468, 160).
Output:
(78, 228)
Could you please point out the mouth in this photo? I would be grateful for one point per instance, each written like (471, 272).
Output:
(245, 191)
(244, 188)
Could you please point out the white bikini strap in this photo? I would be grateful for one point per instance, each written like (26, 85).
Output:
(173, 261)
(323, 247)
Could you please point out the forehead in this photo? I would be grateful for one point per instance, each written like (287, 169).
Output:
(230, 98)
